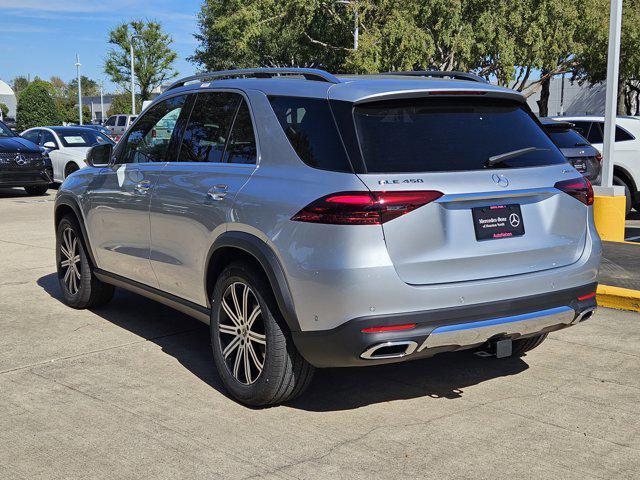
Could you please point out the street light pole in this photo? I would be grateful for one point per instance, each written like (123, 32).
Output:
(356, 28)
(101, 102)
(611, 102)
(78, 65)
(133, 78)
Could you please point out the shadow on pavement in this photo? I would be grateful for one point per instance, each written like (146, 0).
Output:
(19, 192)
(187, 340)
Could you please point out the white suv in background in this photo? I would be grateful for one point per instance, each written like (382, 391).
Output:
(626, 167)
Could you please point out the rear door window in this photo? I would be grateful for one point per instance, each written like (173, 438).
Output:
(241, 147)
(622, 135)
(207, 130)
(449, 134)
(595, 133)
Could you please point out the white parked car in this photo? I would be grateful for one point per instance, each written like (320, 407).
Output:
(626, 164)
(67, 146)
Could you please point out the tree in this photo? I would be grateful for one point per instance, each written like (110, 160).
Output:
(36, 106)
(4, 109)
(272, 33)
(592, 60)
(90, 88)
(153, 56)
(19, 83)
(122, 104)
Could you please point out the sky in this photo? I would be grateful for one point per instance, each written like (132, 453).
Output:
(42, 37)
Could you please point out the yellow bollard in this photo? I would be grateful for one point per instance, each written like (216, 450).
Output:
(609, 216)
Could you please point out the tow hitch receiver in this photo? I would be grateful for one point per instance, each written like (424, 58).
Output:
(503, 348)
(498, 348)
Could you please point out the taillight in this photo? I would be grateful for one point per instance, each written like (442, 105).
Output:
(364, 208)
(599, 157)
(578, 188)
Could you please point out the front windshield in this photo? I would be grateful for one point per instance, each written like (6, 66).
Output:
(84, 137)
(5, 131)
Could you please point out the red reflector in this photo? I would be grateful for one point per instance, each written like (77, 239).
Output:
(364, 208)
(578, 188)
(390, 328)
(586, 297)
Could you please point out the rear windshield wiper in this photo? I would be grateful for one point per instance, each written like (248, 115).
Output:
(497, 159)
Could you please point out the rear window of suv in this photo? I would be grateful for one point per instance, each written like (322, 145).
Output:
(449, 134)
(566, 138)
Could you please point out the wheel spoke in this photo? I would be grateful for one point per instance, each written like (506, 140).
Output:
(77, 272)
(74, 245)
(234, 296)
(254, 357)
(229, 312)
(65, 263)
(233, 344)
(245, 302)
(228, 329)
(236, 365)
(247, 366)
(67, 274)
(254, 314)
(64, 251)
(257, 337)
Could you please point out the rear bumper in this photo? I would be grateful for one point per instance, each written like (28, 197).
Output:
(444, 330)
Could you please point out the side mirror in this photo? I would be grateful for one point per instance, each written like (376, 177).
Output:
(50, 145)
(99, 155)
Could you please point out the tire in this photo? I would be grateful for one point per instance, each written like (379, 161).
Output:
(627, 192)
(520, 347)
(36, 189)
(285, 374)
(80, 287)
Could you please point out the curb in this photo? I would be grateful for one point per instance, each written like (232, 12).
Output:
(618, 298)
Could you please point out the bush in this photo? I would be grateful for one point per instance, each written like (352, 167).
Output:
(36, 107)
(4, 109)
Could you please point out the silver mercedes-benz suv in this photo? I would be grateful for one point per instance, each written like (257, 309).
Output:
(323, 221)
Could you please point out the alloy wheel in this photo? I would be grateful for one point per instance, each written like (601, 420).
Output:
(242, 333)
(70, 263)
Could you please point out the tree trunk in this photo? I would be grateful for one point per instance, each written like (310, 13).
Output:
(543, 103)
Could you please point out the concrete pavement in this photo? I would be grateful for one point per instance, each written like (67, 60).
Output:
(129, 391)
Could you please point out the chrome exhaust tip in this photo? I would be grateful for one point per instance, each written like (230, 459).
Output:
(585, 315)
(387, 350)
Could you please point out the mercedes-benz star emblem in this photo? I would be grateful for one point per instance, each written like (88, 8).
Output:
(500, 180)
(514, 220)
(20, 160)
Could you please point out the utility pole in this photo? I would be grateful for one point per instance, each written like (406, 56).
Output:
(78, 65)
(133, 76)
(562, 97)
(101, 102)
(611, 103)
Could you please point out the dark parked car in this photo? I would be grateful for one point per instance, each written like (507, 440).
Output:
(581, 154)
(23, 163)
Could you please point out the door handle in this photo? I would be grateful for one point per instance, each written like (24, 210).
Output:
(218, 192)
(142, 187)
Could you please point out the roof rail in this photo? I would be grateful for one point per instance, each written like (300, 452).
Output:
(441, 74)
(307, 73)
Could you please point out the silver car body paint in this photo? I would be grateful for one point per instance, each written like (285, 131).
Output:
(427, 259)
